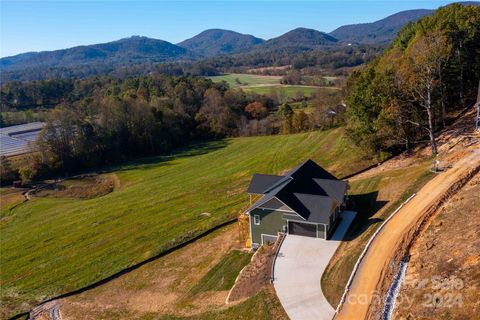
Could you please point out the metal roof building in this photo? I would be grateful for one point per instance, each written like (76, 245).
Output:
(17, 140)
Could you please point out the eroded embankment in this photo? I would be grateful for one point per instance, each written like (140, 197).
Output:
(388, 274)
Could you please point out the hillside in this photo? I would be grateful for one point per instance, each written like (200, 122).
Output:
(299, 38)
(447, 254)
(214, 42)
(139, 55)
(381, 31)
(58, 242)
(129, 50)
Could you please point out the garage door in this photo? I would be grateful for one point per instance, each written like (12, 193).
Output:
(302, 229)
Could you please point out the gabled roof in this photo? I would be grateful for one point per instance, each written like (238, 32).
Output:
(260, 183)
(334, 188)
(308, 189)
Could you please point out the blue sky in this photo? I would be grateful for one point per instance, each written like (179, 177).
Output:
(39, 25)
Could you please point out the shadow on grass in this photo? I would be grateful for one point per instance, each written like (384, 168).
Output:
(196, 148)
(366, 205)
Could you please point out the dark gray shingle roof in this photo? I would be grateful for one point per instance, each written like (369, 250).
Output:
(308, 189)
(260, 183)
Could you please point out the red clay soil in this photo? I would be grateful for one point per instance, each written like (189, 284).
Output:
(443, 274)
(365, 298)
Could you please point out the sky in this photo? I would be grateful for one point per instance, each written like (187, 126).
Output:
(39, 25)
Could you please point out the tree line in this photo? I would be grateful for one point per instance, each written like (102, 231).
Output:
(101, 121)
(431, 71)
(331, 58)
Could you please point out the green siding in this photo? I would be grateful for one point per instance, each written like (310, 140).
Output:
(321, 231)
(271, 222)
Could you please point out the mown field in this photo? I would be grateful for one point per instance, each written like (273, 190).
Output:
(267, 84)
(287, 91)
(239, 79)
(54, 245)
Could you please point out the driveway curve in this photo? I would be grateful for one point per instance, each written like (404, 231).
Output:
(364, 289)
(298, 270)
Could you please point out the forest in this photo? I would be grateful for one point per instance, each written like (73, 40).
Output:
(100, 121)
(431, 71)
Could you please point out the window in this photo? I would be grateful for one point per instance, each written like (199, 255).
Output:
(256, 219)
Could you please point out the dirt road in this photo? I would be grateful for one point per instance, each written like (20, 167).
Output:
(369, 282)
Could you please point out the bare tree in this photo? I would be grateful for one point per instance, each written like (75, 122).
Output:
(420, 74)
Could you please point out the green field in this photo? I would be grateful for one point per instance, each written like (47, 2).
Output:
(246, 79)
(265, 85)
(54, 245)
(223, 275)
(287, 91)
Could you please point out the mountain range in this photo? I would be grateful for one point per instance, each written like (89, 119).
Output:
(381, 31)
(209, 43)
(214, 42)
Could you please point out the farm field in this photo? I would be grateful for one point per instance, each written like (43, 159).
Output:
(287, 91)
(246, 79)
(53, 245)
(267, 84)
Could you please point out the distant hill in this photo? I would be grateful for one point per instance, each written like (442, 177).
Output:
(301, 38)
(139, 55)
(214, 42)
(124, 51)
(380, 31)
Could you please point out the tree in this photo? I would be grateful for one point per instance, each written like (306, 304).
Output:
(300, 122)
(420, 72)
(214, 116)
(256, 110)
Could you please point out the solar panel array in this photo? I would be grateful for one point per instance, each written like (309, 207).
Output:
(16, 140)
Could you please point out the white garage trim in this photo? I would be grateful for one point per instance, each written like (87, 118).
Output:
(316, 231)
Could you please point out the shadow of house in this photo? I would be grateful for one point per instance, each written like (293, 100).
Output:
(366, 205)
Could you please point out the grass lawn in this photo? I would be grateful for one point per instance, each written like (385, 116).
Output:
(54, 245)
(223, 275)
(375, 198)
(246, 79)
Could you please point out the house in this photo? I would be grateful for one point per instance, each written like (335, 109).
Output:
(306, 201)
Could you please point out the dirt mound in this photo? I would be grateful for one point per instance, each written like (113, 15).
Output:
(255, 275)
(86, 187)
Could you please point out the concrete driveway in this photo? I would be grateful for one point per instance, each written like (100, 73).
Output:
(298, 269)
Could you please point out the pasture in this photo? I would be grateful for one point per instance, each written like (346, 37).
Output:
(52, 245)
(241, 80)
(284, 91)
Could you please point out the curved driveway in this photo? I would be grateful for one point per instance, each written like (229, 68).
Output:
(299, 266)
(371, 270)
